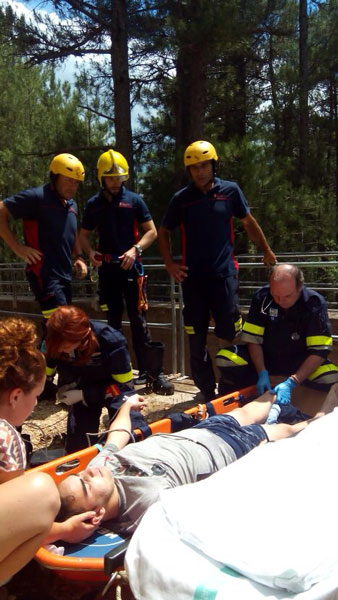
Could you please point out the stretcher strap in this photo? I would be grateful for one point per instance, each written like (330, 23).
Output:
(145, 429)
(210, 409)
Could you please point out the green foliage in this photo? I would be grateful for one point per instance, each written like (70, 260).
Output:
(247, 99)
(39, 117)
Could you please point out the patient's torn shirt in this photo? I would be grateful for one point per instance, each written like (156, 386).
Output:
(162, 461)
(12, 448)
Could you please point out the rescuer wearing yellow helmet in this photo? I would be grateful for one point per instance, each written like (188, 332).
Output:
(117, 214)
(49, 216)
(208, 271)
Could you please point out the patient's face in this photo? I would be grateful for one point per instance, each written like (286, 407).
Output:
(90, 489)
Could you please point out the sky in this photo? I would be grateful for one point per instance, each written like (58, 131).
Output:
(66, 71)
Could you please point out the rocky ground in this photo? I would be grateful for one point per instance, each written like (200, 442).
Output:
(47, 428)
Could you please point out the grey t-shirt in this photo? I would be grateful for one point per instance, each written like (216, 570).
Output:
(143, 470)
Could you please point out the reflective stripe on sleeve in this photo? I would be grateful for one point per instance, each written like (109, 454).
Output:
(327, 373)
(238, 325)
(319, 342)
(50, 371)
(252, 333)
(123, 377)
(48, 313)
(189, 329)
(226, 358)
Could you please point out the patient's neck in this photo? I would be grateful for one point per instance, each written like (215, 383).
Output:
(113, 505)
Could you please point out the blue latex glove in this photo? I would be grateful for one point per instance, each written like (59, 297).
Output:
(263, 382)
(283, 391)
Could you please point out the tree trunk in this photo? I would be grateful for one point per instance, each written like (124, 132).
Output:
(303, 90)
(190, 95)
(190, 90)
(335, 124)
(120, 72)
(274, 98)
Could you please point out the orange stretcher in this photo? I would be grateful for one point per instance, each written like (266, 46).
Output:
(97, 557)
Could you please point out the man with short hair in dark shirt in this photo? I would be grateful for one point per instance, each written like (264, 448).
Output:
(117, 214)
(208, 272)
(287, 333)
(49, 216)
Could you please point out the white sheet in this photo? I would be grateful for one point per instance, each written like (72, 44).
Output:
(257, 534)
(161, 566)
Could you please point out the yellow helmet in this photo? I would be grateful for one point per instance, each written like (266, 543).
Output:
(112, 164)
(67, 165)
(199, 152)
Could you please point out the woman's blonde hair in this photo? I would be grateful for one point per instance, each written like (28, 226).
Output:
(22, 365)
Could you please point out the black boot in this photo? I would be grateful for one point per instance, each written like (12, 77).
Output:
(141, 362)
(141, 379)
(156, 380)
(160, 385)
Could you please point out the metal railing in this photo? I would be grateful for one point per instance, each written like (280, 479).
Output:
(320, 271)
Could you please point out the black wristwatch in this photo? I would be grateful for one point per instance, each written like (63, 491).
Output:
(139, 249)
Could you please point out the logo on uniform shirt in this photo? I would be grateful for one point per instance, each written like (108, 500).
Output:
(125, 205)
(220, 197)
(273, 313)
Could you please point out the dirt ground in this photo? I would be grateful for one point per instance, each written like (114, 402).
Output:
(47, 429)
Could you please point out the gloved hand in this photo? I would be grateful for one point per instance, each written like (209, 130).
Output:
(69, 396)
(263, 382)
(283, 391)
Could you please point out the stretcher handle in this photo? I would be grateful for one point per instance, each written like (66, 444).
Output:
(114, 559)
(80, 459)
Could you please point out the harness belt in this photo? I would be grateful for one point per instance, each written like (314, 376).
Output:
(110, 258)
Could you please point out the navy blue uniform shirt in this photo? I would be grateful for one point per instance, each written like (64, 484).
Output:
(288, 336)
(113, 352)
(206, 226)
(116, 220)
(49, 227)
(109, 364)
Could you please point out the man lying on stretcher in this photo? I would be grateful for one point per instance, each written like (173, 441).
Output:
(124, 480)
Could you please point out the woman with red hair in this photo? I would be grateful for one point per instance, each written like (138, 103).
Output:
(94, 359)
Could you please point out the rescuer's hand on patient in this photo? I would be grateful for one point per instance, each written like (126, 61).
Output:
(177, 271)
(263, 382)
(69, 396)
(79, 527)
(135, 402)
(283, 391)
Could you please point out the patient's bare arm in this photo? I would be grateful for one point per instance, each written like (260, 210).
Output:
(120, 428)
